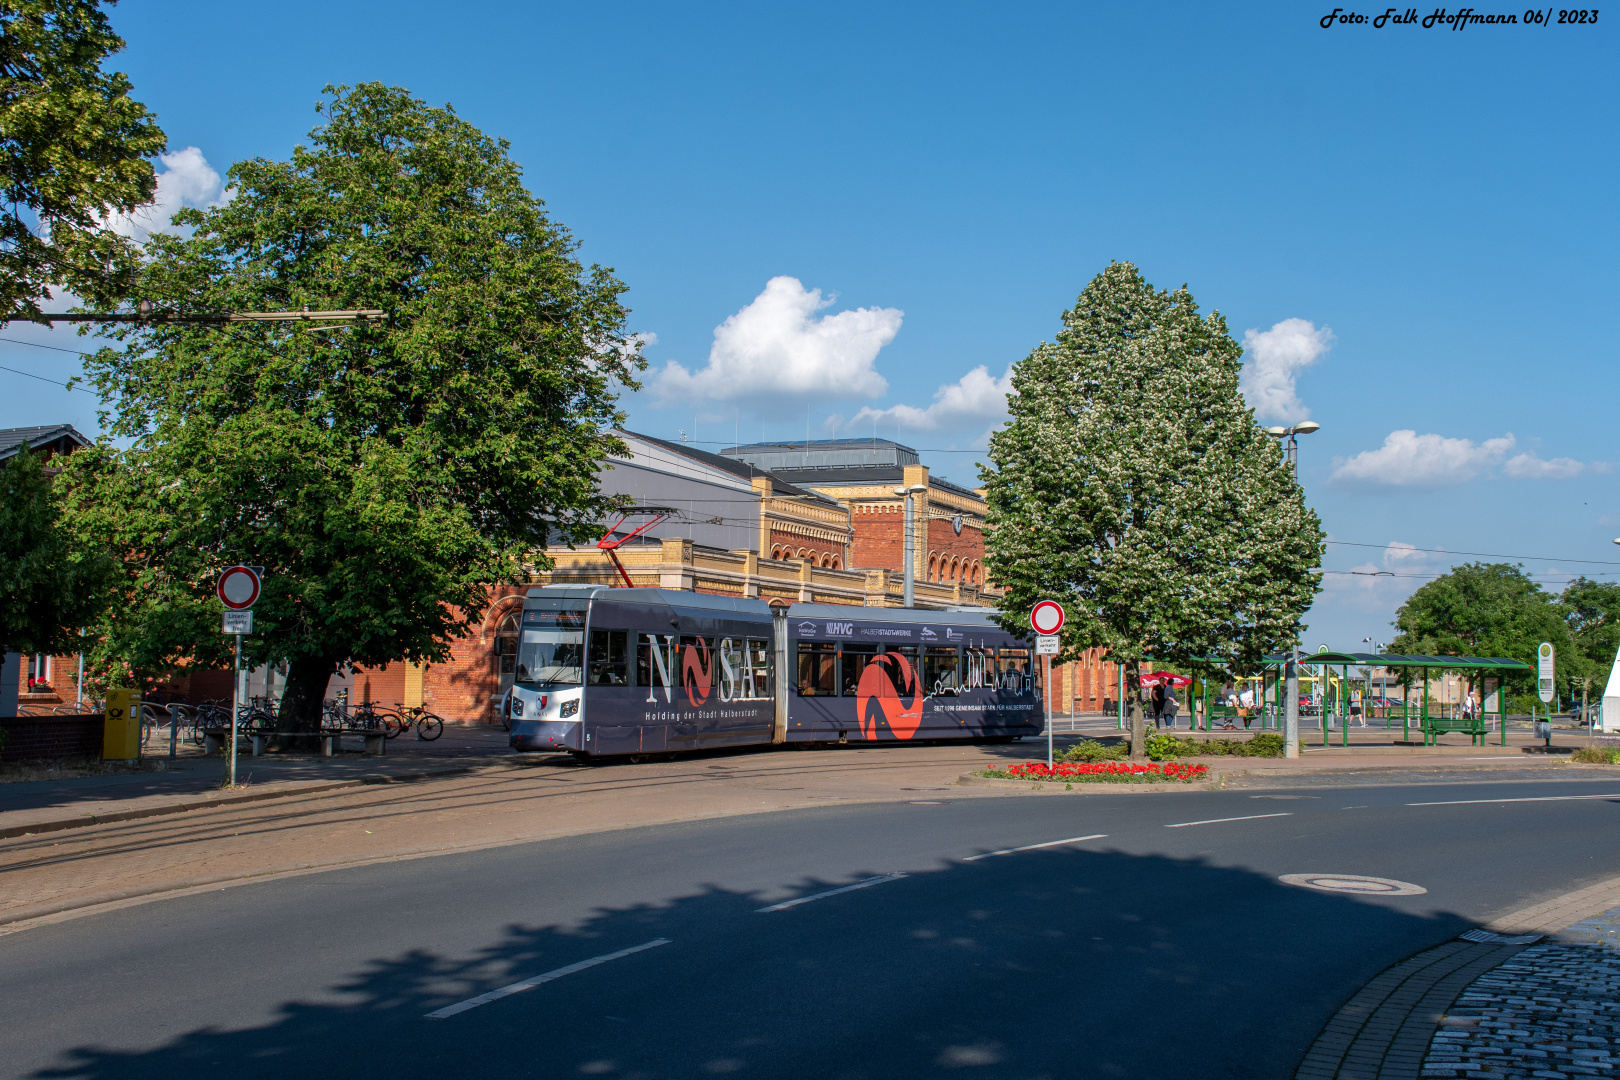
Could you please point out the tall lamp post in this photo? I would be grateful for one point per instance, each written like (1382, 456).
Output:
(1291, 706)
(910, 494)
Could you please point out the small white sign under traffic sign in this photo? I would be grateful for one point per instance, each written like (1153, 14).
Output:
(238, 622)
(1048, 645)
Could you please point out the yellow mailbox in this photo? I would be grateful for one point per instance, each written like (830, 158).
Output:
(121, 739)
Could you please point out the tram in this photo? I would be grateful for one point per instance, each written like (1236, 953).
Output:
(604, 672)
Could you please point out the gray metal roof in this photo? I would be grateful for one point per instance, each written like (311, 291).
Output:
(13, 439)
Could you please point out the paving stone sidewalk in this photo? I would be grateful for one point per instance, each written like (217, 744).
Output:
(1552, 1011)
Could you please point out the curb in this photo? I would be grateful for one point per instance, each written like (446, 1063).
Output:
(82, 820)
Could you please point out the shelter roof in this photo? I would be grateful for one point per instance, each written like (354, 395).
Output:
(1403, 660)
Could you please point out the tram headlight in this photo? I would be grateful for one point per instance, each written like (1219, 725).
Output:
(569, 708)
(516, 707)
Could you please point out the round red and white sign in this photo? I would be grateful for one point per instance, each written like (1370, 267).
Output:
(238, 587)
(1047, 618)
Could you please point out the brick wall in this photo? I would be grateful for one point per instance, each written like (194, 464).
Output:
(31, 738)
(953, 558)
(880, 537)
(785, 545)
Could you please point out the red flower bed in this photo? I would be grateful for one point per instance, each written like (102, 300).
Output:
(1103, 771)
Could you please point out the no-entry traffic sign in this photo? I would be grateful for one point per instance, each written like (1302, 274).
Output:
(1047, 618)
(238, 587)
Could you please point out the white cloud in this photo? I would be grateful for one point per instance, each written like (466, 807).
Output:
(976, 399)
(1408, 459)
(187, 180)
(1275, 358)
(1399, 553)
(1530, 467)
(777, 347)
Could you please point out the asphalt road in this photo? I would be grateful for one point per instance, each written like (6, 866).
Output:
(1150, 951)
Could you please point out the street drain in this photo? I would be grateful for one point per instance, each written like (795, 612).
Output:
(1354, 883)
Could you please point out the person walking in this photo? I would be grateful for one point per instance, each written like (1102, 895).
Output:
(1158, 704)
(1246, 706)
(1171, 707)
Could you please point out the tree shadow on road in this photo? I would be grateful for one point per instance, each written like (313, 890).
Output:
(1055, 963)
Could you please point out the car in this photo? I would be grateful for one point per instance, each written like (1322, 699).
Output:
(1592, 713)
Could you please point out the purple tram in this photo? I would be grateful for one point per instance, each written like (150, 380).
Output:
(604, 672)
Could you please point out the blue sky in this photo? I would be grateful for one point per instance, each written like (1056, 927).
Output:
(929, 187)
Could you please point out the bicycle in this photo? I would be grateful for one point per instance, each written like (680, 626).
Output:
(428, 725)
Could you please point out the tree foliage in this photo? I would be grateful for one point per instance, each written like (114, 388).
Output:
(384, 473)
(1486, 609)
(50, 586)
(1592, 612)
(76, 147)
(1133, 485)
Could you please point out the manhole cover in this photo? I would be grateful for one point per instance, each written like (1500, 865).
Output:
(1354, 883)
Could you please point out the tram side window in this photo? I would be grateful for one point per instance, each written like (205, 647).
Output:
(816, 666)
(856, 658)
(655, 662)
(610, 658)
(904, 679)
(941, 671)
(1014, 670)
(759, 656)
(981, 668)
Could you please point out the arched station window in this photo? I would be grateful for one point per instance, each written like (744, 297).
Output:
(506, 648)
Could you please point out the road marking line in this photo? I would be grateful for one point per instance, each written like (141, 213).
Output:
(1034, 847)
(1217, 821)
(1538, 798)
(528, 984)
(830, 892)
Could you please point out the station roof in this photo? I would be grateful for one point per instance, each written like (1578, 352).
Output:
(1402, 660)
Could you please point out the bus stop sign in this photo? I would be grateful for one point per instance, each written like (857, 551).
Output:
(1544, 671)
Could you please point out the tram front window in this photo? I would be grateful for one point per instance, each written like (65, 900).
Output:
(551, 651)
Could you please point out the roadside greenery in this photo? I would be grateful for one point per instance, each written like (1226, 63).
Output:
(50, 584)
(1161, 747)
(1597, 755)
(384, 473)
(1133, 485)
(77, 149)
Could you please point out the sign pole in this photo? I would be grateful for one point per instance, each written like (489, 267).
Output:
(236, 703)
(1048, 660)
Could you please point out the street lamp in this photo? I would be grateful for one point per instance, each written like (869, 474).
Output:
(1304, 427)
(909, 494)
(1291, 706)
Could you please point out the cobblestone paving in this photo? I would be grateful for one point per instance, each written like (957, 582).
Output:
(1552, 1011)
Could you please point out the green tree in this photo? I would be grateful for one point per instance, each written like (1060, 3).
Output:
(1485, 609)
(50, 586)
(77, 149)
(385, 473)
(1592, 612)
(1133, 485)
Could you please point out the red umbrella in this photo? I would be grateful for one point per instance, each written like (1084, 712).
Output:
(1155, 678)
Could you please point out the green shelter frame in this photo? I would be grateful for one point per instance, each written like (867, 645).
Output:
(1269, 706)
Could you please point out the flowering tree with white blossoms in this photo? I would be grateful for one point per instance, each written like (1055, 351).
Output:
(1132, 485)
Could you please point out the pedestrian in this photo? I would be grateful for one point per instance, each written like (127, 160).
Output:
(1158, 704)
(1171, 707)
(1246, 705)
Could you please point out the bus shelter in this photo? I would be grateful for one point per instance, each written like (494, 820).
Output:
(1430, 723)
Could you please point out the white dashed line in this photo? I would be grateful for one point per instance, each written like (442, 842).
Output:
(1217, 821)
(830, 892)
(1538, 798)
(528, 984)
(1034, 847)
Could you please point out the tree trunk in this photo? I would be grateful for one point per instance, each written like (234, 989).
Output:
(1133, 687)
(301, 702)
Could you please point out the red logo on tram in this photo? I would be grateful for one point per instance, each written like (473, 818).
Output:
(878, 684)
(697, 673)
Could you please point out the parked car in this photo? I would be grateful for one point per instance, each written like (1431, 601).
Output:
(1591, 713)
